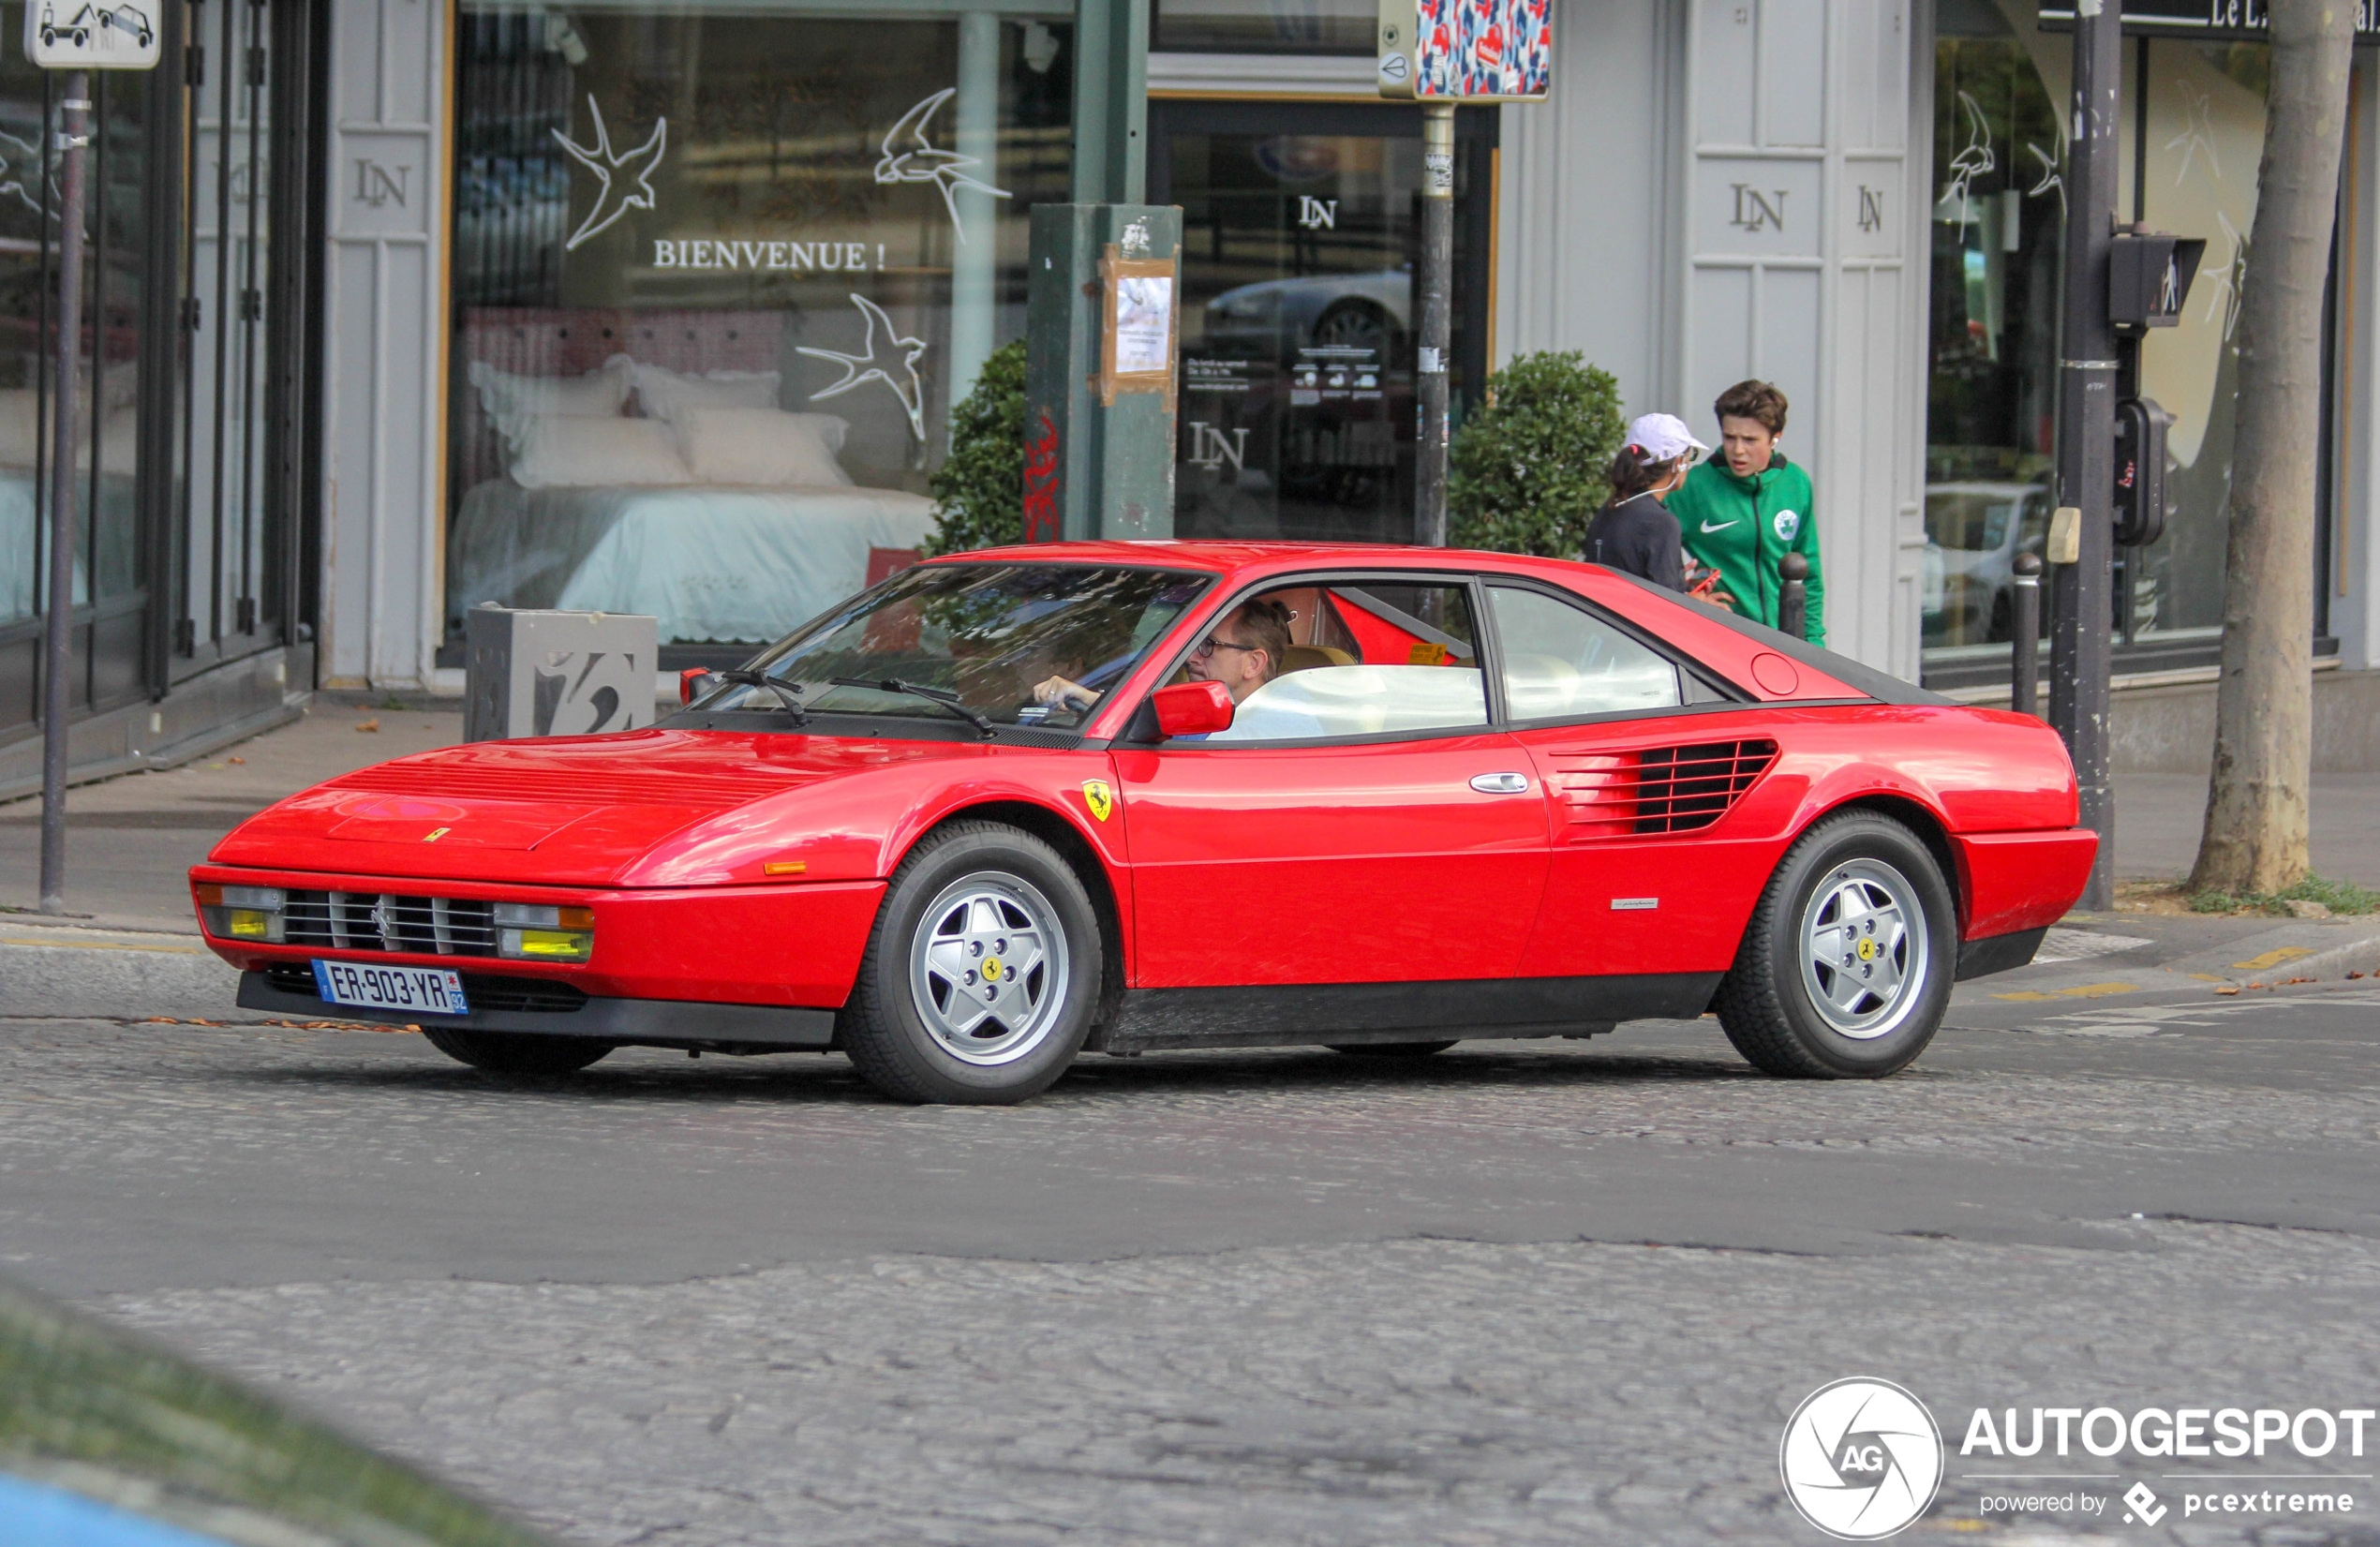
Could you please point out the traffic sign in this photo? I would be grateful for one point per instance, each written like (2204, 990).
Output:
(80, 35)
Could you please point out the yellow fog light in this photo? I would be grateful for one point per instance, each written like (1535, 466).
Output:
(527, 931)
(243, 913)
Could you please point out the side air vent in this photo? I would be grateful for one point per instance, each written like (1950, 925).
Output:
(1657, 789)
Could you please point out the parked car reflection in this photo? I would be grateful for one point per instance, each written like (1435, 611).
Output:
(1974, 533)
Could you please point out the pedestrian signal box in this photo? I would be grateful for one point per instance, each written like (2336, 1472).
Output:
(2141, 471)
(2149, 275)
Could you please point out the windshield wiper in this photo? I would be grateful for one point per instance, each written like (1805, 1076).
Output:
(931, 696)
(787, 694)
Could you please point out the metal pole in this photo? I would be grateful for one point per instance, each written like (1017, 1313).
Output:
(74, 134)
(2024, 696)
(1436, 282)
(1792, 595)
(2079, 652)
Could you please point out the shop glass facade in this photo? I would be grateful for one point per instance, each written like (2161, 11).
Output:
(2189, 154)
(718, 277)
(191, 464)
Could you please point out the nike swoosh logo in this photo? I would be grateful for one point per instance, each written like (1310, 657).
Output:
(1721, 527)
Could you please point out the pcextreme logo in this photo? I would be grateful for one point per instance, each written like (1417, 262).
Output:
(1861, 1458)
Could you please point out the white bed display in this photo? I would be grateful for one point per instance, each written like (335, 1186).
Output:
(690, 498)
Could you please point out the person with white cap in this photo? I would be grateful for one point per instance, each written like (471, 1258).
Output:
(1632, 533)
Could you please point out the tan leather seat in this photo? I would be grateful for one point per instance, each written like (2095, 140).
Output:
(1303, 658)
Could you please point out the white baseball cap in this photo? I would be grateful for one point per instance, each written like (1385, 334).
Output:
(1663, 437)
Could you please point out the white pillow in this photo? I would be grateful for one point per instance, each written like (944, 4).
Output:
(22, 442)
(511, 401)
(575, 451)
(666, 393)
(762, 446)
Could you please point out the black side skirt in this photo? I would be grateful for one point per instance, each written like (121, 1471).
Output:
(645, 1022)
(1292, 1014)
(1997, 953)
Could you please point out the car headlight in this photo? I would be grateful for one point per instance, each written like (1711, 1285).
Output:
(244, 913)
(531, 932)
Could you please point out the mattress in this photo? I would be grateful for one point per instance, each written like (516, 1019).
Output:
(711, 564)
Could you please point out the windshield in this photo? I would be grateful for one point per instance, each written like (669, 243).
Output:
(987, 633)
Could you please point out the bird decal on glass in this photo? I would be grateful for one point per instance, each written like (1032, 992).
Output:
(863, 367)
(910, 157)
(623, 182)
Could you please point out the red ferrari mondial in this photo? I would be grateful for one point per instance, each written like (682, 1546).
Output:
(1007, 808)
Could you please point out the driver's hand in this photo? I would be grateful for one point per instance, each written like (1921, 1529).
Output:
(1057, 690)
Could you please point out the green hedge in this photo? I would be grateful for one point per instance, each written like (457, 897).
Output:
(1527, 473)
(979, 492)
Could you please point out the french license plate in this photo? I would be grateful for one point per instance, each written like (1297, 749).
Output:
(428, 990)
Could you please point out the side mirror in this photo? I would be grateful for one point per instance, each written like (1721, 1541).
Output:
(1193, 709)
(692, 683)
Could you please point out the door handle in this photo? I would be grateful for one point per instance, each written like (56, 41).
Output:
(1501, 783)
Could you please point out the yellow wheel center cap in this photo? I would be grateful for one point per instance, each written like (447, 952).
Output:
(991, 970)
(1868, 950)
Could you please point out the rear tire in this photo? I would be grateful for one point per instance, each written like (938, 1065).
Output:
(1845, 969)
(982, 974)
(516, 1053)
(1390, 1050)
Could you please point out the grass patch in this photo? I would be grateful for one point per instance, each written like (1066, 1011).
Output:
(2340, 897)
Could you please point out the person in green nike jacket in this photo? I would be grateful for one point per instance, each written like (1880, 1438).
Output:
(1746, 509)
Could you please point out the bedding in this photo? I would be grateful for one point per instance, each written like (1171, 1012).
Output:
(666, 395)
(511, 401)
(762, 446)
(559, 451)
(710, 563)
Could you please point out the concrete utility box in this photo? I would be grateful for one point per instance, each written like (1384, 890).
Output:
(557, 673)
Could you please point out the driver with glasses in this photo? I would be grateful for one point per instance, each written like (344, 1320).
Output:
(1243, 653)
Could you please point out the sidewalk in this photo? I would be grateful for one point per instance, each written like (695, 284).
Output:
(130, 839)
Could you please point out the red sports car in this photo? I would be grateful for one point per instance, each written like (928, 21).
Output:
(1014, 806)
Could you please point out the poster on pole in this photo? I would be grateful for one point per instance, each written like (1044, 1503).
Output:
(1466, 51)
(77, 35)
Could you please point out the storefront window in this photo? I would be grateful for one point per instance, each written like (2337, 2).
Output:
(1265, 26)
(1301, 226)
(108, 598)
(718, 276)
(1998, 228)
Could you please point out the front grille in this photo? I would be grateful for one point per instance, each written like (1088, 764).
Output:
(384, 921)
(1658, 789)
(485, 990)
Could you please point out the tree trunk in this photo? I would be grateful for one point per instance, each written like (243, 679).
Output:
(2254, 837)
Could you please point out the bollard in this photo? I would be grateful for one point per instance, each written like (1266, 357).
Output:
(1793, 597)
(2025, 680)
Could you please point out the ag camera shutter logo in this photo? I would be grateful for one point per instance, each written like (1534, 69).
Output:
(1861, 1459)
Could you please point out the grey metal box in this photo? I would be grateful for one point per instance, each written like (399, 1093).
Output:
(534, 672)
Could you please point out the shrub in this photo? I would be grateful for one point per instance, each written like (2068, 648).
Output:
(1525, 475)
(979, 491)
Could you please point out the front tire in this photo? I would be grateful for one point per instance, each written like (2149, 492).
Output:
(516, 1053)
(982, 974)
(1845, 969)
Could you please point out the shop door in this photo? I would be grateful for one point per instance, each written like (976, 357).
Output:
(1301, 226)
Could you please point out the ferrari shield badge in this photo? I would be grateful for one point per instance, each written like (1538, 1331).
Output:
(1099, 797)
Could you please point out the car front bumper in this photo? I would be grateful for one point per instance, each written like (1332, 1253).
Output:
(649, 1022)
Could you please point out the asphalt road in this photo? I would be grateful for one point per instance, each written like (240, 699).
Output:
(1520, 1292)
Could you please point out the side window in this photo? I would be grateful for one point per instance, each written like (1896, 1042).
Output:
(1562, 662)
(1353, 660)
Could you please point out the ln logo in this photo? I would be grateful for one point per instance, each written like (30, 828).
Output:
(1872, 208)
(1318, 214)
(1211, 448)
(376, 185)
(1754, 213)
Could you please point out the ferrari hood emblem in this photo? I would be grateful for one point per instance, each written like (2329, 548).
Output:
(436, 833)
(1099, 797)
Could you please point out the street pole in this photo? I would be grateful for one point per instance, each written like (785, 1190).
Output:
(74, 134)
(1436, 282)
(2079, 651)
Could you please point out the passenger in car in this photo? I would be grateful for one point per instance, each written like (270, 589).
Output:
(1247, 650)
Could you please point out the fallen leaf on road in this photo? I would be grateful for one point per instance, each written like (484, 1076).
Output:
(2228, 988)
(372, 724)
(241, 760)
